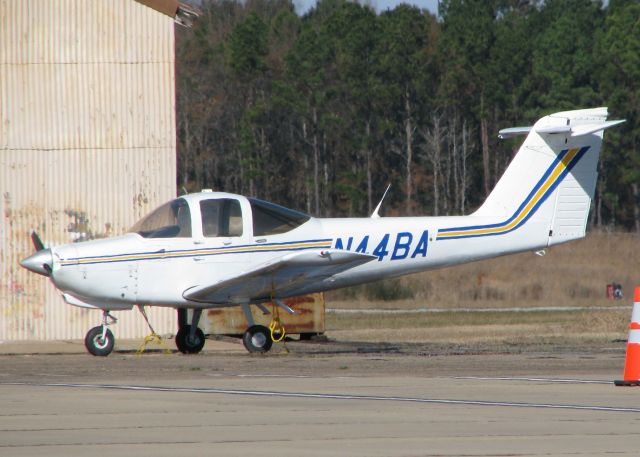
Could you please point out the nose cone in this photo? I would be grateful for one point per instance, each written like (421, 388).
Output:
(41, 262)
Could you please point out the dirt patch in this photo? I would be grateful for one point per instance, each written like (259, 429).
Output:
(336, 357)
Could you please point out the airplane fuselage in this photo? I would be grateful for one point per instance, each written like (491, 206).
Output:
(128, 270)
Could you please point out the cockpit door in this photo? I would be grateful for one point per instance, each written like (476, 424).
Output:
(222, 233)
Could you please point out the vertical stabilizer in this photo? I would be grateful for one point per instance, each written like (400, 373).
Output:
(552, 178)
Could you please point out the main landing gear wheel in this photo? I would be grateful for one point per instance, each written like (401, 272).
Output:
(257, 338)
(187, 344)
(97, 344)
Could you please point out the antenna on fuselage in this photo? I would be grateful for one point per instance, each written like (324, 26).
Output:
(376, 214)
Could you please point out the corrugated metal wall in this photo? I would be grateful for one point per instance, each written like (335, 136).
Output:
(87, 144)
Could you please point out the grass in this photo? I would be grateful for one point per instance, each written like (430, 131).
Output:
(575, 274)
(501, 328)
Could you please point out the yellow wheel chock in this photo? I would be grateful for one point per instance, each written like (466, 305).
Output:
(151, 338)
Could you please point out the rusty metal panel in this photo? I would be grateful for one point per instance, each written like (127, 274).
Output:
(100, 201)
(87, 144)
(309, 317)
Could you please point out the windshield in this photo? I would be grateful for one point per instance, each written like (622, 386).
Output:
(171, 220)
(271, 219)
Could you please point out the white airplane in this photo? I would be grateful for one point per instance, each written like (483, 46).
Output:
(214, 249)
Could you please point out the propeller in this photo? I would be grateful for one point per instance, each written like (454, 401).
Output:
(42, 261)
(37, 242)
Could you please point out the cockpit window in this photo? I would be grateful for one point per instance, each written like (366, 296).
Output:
(271, 219)
(221, 217)
(171, 220)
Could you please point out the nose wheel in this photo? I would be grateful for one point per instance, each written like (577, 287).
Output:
(99, 340)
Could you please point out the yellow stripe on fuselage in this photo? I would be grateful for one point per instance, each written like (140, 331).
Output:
(190, 253)
(551, 179)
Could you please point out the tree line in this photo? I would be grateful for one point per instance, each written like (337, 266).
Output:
(321, 112)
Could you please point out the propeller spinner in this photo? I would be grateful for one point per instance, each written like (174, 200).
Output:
(42, 261)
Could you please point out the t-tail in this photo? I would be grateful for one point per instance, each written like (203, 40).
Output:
(549, 184)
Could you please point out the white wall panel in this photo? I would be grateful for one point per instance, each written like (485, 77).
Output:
(87, 144)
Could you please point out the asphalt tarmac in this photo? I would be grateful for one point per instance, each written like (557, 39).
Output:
(56, 400)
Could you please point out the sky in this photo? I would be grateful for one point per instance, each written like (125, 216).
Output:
(302, 6)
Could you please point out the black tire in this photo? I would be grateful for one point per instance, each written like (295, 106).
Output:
(96, 345)
(257, 339)
(179, 338)
(186, 344)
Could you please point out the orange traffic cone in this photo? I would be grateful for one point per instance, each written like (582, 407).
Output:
(632, 360)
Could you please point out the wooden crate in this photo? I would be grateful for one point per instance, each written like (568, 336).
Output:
(308, 320)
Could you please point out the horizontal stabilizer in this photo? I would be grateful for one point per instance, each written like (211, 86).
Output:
(276, 278)
(574, 131)
(593, 128)
(513, 131)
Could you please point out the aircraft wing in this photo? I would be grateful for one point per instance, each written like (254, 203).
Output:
(279, 276)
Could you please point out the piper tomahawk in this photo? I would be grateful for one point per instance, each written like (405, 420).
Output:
(214, 249)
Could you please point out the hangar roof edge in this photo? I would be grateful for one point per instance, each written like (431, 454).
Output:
(168, 7)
